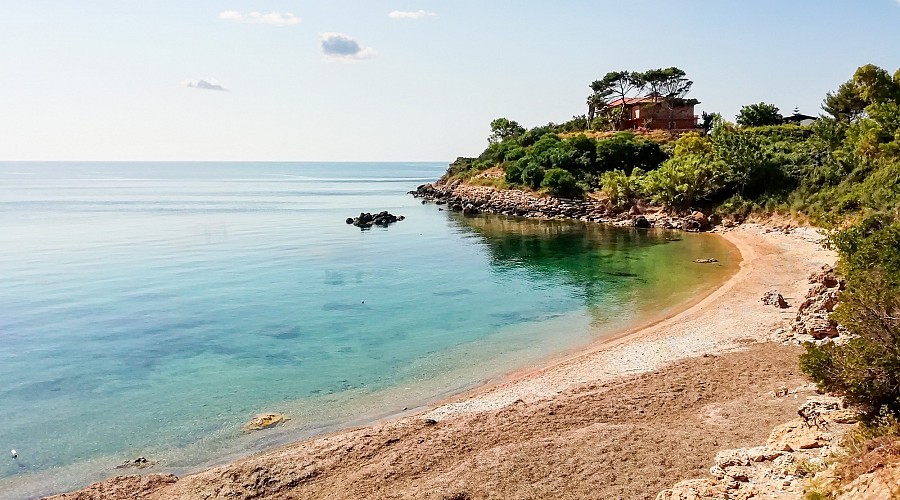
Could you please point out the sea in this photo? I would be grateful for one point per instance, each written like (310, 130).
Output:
(152, 309)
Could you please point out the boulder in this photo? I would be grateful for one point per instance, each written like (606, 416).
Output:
(773, 298)
(762, 454)
(470, 209)
(732, 458)
(820, 327)
(640, 222)
(797, 435)
(702, 222)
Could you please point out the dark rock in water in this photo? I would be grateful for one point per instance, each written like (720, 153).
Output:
(367, 220)
(640, 222)
(471, 210)
(137, 463)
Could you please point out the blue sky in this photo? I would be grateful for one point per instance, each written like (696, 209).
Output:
(117, 79)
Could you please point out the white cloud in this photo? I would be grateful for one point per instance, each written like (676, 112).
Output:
(205, 85)
(419, 14)
(272, 18)
(340, 47)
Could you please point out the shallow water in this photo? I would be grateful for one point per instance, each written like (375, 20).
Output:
(153, 308)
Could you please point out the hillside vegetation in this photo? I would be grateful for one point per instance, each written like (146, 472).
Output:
(847, 162)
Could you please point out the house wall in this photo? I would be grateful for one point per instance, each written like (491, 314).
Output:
(662, 117)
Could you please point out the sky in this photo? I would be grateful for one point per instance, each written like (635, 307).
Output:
(399, 80)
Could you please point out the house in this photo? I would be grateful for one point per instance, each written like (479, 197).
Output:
(800, 119)
(656, 113)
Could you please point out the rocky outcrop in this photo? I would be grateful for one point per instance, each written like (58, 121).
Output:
(813, 322)
(470, 199)
(773, 298)
(794, 452)
(367, 220)
(881, 483)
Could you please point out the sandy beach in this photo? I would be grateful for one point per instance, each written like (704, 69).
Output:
(625, 419)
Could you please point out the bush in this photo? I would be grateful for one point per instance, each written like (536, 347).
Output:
(620, 188)
(867, 368)
(461, 166)
(624, 151)
(513, 171)
(692, 174)
(735, 207)
(560, 182)
(532, 175)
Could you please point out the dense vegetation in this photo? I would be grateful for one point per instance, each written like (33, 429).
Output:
(867, 368)
(843, 168)
(848, 162)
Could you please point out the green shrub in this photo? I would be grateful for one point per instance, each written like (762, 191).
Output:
(460, 166)
(532, 175)
(513, 171)
(867, 368)
(736, 207)
(684, 180)
(624, 151)
(560, 182)
(621, 189)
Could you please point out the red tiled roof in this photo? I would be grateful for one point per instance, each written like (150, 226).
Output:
(641, 100)
(631, 100)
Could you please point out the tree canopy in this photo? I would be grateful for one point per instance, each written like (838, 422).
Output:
(667, 85)
(503, 128)
(759, 115)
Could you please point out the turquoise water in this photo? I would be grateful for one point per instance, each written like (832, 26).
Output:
(153, 308)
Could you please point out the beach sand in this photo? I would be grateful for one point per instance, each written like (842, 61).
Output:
(625, 419)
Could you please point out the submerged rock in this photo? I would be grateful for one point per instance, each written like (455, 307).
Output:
(137, 463)
(264, 421)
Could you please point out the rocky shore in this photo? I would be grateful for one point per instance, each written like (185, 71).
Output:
(798, 451)
(471, 199)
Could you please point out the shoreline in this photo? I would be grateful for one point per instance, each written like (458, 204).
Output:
(638, 351)
(490, 396)
(607, 341)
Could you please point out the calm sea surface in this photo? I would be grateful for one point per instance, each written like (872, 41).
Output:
(151, 309)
